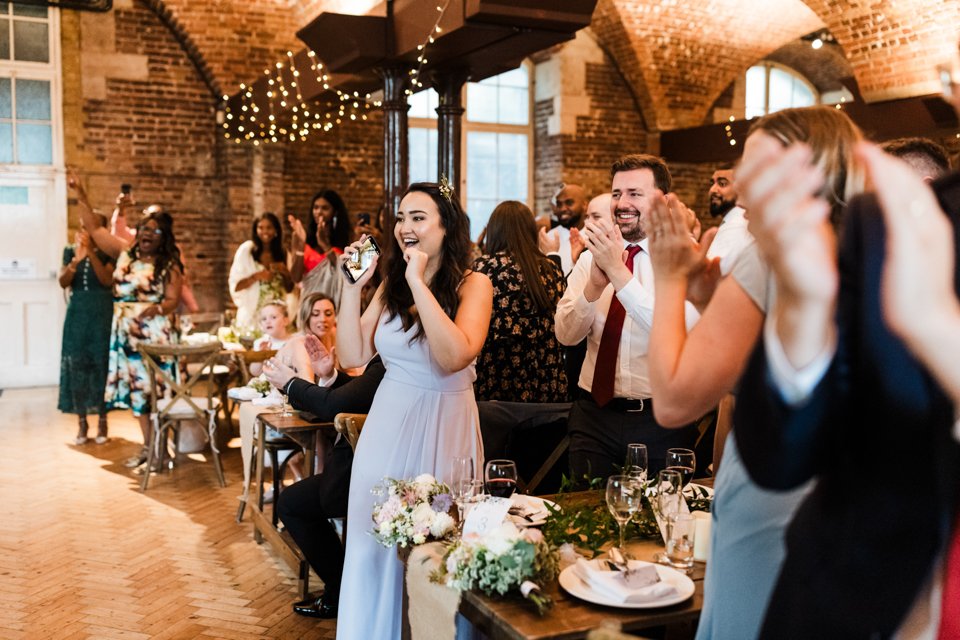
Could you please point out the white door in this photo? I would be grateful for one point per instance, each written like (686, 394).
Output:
(32, 227)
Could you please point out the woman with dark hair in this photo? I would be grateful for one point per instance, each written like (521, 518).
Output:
(328, 232)
(427, 320)
(521, 360)
(259, 272)
(88, 273)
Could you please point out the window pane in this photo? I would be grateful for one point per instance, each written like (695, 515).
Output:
(516, 78)
(482, 165)
(802, 96)
(5, 111)
(756, 91)
(34, 144)
(29, 10)
(4, 39)
(423, 154)
(33, 100)
(514, 105)
(781, 90)
(30, 41)
(423, 104)
(479, 210)
(512, 166)
(6, 143)
(481, 102)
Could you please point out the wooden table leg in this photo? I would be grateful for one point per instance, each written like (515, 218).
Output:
(261, 437)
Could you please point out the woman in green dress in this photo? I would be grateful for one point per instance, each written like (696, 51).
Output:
(88, 273)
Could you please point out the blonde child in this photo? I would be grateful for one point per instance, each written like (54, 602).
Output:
(274, 322)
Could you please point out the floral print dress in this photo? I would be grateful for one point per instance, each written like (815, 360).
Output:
(521, 361)
(134, 289)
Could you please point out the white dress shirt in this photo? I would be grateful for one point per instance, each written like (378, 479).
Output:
(565, 253)
(731, 238)
(577, 319)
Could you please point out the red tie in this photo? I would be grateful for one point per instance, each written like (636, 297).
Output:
(605, 369)
(950, 609)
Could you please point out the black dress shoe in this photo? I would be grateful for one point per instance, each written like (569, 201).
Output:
(320, 607)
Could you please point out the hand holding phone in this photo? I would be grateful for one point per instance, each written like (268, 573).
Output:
(357, 263)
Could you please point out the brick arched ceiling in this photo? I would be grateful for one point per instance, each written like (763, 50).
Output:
(679, 55)
(893, 46)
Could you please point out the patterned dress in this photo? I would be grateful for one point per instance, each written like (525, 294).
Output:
(134, 289)
(521, 361)
(86, 339)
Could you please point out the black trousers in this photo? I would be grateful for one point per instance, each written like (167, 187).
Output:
(599, 436)
(305, 508)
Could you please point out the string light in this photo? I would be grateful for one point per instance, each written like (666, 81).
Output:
(422, 49)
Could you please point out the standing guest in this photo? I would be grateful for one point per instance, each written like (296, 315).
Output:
(428, 321)
(564, 239)
(927, 158)
(609, 301)
(732, 235)
(329, 231)
(521, 360)
(146, 292)
(88, 273)
(690, 372)
(834, 392)
(259, 272)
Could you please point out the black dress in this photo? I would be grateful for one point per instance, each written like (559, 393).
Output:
(521, 361)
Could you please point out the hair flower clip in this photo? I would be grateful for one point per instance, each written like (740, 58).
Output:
(446, 190)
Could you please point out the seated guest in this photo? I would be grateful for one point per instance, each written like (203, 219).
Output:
(521, 360)
(259, 271)
(274, 324)
(305, 508)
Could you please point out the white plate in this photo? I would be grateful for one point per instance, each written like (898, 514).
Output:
(576, 587)
(535, 507)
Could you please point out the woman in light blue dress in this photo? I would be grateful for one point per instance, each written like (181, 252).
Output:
(428, 321)
(690, 374)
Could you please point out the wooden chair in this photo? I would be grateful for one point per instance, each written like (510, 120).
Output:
(168, 412)
(349, 426)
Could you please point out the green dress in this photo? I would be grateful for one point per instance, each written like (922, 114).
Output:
(86, 339)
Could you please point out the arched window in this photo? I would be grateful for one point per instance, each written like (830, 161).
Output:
(772, 87)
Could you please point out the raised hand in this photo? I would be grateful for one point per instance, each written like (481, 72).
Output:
(322, 360)
(349, 253)
(577, 244)
(548, 241)
(675, 255)
(277, 373)
(299, 233)
(416, 265)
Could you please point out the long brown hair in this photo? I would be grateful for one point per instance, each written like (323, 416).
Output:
(454, 262)
(512, 230)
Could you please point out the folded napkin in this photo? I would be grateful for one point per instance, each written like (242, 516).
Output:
(272, 398)
(243, 393)
(197, 338)
(611, 585)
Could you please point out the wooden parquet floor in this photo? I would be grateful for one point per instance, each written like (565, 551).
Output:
(84, 554)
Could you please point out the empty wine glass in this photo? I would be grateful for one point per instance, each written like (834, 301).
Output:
(683, 461)
(669, 488)
(500, 478)
(461, 482)
(635, 465)
(623, 501)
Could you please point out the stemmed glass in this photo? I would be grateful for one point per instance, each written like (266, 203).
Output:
(462, 483)
(683, 461)
(669, 490)
(636, 463)
(500, 478)
(623, 501)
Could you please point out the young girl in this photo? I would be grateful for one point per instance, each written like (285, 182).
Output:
(275, 323)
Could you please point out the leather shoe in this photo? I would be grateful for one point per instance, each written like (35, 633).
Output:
(319, 607)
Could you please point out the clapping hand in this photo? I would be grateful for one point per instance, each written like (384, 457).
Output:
(322, 360)
(299, 233)
(548, 241)
(676, 255)
(277, 373)
(577, 244)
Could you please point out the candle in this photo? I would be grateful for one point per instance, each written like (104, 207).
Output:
(701, 545)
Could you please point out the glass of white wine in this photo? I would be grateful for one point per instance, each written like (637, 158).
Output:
(623, 501)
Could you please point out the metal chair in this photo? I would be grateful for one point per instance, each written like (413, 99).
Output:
(168, 412)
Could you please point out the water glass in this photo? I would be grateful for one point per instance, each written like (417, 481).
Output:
(669, 489)
(681, 536)
(623, 500)
(461, 481)
(683, 461)
(635, 465)
(500, 478)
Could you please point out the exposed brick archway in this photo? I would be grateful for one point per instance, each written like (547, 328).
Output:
(169, 19)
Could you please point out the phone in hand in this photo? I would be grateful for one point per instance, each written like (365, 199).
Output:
(363, 218)
(357, 264)
(125, 189)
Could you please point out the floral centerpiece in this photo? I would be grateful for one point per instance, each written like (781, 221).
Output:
(505, 559)
(260, 384)
(413, 511)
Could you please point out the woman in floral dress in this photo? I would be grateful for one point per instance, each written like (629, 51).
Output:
(521, 360)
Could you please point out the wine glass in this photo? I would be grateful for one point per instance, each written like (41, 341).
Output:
(635, 465)
(500, 478)
(683, 461)
(623, 501)
(461, 482)
(669, 488)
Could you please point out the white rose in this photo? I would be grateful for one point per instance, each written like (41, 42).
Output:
(442, 524)
(386, 528)
(419, 538)
(501, 539)
(423, 516)
(424, 478)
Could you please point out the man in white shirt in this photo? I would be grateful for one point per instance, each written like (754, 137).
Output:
(569, 209)
(609, 301)
(732, 236)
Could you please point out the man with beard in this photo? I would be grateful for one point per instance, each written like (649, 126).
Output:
(609, 301)
(732, 236)
(564, 240)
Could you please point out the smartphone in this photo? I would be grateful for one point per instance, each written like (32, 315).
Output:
(125, 189)
(364, 218)
(359, 262)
